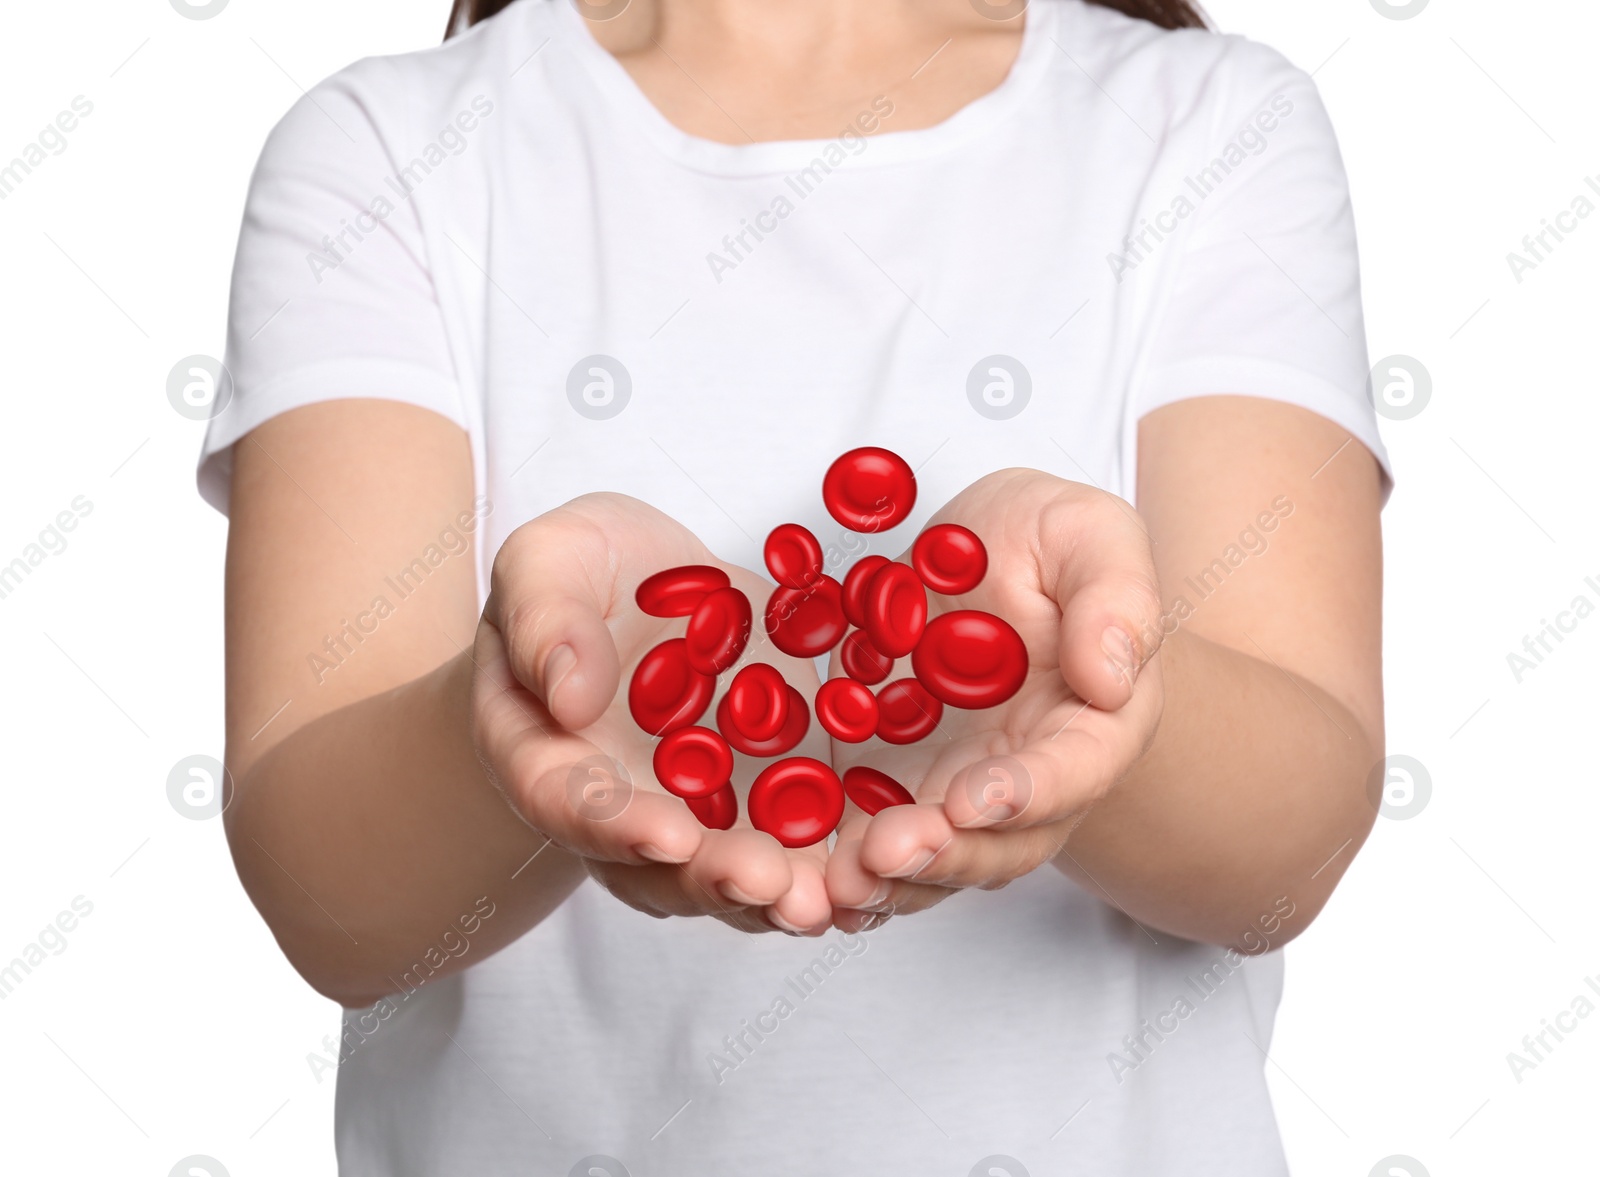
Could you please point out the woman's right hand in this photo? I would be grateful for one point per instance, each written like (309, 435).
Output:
(558, 632)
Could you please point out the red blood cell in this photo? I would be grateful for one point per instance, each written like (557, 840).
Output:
(847, 710)
(970, 659)
(718, 630)
(906, 712)
(693, 762)
(863, 661)
(797, 719)
(677, 591)
(897, 609)
(872, 790)
(757, 702)
(666, 692)
(869, 489)
(855, 587)
(793, 555)
(799, 801)
(806, 622)
(718, 811)
(950, 559)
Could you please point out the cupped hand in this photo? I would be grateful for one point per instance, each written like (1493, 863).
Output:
(1000, 790)
(558, 634)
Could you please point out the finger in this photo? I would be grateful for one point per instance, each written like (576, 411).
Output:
(549, 592)
(804, 909)
(1041, 784)
(863, 900)
(850, 885)
(632, 886)
(590, 809)
(1012, 790)
(732, 870)
(1059, 775)
(913, 897)
(661, 901)
(918, 843)
(739, 867)
(561, 784)
(752, 920)
(1104, 581)
(658, 891)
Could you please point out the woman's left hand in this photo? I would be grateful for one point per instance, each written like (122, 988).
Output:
(999, 791)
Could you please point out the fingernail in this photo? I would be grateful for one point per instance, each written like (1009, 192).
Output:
(655, 854)
(734, 895)
(911, 866)
(1118, 649)
(878, 896)
(782, 924)
(556, 667)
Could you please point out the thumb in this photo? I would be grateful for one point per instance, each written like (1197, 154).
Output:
(550, 611)
(1110, 601)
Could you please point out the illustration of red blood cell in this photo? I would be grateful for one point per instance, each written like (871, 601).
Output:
(797, 719)
(718, 811)
(847, 710)
(950, 559)
(806, 622)
(757, 702)
(855, 587)
(863, 661)
(676, 592)
(872, 790)
(666, 692)
(869, 489)
(718, 630)
(970, 659)
(693, 762)
(798, 801)
(896, 609)
(793, 555)
(906, 712)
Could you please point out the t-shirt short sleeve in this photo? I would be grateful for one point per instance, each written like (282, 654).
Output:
(1265, 297)
(332, 295)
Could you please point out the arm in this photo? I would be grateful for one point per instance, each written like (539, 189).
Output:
(1273, 711)
(1233, 772)
(363, 826)
(426, 765)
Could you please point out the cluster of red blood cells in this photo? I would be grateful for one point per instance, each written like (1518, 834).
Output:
(964, 658)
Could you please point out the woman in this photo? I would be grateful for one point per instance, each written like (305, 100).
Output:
(661, 262)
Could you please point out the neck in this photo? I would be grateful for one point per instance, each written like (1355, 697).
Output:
(744, 70)
(818, 30)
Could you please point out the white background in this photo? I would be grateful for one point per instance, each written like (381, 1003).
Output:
(170, 1025)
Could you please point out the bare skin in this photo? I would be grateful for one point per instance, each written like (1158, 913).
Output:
(433, 766)
(1236, 771)
(738, 72)
(381, 803)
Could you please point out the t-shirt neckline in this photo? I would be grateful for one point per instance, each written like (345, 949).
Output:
(1040, 31)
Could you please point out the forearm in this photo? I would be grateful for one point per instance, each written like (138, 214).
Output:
(373, 842)
(1252, 792)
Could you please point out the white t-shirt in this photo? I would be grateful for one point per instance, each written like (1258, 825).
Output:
(504, 230)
